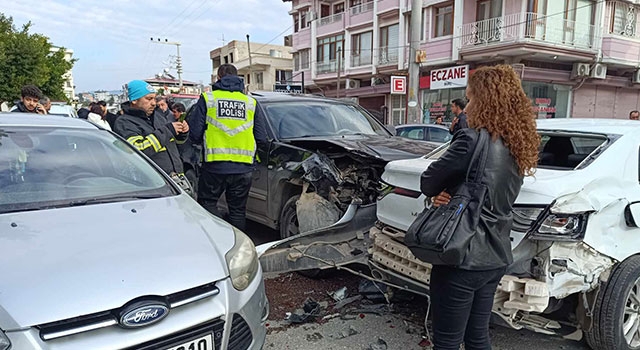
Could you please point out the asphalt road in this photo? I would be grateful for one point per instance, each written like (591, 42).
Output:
(396, 330)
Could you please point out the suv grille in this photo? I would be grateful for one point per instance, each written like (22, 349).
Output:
(241, 337)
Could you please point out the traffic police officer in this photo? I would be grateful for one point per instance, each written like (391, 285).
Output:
(231, 128)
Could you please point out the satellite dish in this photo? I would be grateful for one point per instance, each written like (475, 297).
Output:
(412, 104)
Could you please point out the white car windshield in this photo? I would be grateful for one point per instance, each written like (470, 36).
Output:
(46, 167)
(309, 119)
(560, 150)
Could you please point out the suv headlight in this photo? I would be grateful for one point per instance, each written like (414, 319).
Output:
(242, 261)
(4, 341)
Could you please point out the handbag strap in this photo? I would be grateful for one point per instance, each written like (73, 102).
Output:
(480, 155)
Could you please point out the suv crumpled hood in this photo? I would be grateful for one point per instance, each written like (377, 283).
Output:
(67, 262)
(376, 146)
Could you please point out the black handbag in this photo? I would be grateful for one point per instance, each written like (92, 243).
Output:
(442, 235)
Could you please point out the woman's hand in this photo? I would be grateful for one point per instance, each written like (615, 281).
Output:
(441, 199)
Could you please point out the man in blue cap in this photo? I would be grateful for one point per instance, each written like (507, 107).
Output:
(153, 133)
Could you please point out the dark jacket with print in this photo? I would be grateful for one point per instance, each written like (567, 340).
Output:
(21, 108)
(154, 136)
(491, 246)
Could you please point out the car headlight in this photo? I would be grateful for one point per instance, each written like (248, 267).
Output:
(561, 227)
(4, 341)
(242, 261)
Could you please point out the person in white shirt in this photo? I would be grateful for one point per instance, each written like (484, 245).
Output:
(98, 117)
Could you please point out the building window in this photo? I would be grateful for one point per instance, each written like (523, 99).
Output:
(398, 109)
(305, 58)
(338, 8)
(226, 59)
(303, 19)
(361, 48)
(389, 44)
(328, 48)
(353, 3)
(623, 19)
(423, 25)
(325, 10)
(259, 77)
(443, 21)
(283, 76)
(296, 22)
(231, 57)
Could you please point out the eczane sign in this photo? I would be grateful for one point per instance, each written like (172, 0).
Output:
(448, 78)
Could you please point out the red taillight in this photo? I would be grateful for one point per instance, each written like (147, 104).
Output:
(407, 193)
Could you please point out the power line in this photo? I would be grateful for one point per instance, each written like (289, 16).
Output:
(177, 16)
(276, 37)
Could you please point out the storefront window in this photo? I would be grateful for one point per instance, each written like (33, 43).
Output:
(437, 103)
(548, 100)
(398, 109)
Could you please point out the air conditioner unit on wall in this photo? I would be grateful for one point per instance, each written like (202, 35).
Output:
(599, 71)
(580, 70)
(353, 84)
(635, 79)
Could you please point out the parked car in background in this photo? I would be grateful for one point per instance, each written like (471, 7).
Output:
(424, 132)
(186, 99)
(63, 109)
(324, 155)
(101, 250)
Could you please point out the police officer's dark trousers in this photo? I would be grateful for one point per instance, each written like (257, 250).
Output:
(236, 187)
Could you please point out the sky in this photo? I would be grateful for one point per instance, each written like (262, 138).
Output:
(111, 39)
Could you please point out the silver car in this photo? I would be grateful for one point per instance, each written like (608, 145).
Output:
(101, 250)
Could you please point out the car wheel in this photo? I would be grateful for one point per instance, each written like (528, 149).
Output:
(289, 218)
(289, 227)
(616, 323)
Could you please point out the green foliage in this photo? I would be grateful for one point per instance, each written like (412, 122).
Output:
(26, 58)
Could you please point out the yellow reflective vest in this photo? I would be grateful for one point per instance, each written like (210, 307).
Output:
(229, 133)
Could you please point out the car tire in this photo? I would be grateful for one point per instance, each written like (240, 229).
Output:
(617, 309)
(289, 218)
(289, 227)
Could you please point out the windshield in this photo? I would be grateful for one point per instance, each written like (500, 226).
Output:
(560, 150)
(44, 167)
(308, 119)
(186, 101)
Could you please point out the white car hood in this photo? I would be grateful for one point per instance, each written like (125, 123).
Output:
(62, 263)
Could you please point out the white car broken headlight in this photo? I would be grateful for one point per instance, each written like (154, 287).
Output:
(561, 227)
(4, 341)
(242, 261)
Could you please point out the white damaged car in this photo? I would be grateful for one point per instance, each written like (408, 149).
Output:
(575, 238)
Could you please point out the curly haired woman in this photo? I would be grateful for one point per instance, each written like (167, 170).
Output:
(462, 296)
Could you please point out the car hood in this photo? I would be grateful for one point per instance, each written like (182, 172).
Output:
(62, 263)
(386, 148)
(542, 188)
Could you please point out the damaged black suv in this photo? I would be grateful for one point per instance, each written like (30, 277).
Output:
(324, 157)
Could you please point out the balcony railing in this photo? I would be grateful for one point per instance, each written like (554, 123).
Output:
(329, 66)
(362, 8)
(361, 60)
(529, 26)
(623, 19)
(330, 19)
(388, 55)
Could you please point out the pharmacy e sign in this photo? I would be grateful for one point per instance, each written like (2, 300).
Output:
(449, 78)
(398, 85)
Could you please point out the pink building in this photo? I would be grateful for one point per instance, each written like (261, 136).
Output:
(577, 58)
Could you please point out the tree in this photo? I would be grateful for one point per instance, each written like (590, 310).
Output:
(26, 58)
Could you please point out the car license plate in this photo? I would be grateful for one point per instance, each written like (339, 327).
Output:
(202, 343)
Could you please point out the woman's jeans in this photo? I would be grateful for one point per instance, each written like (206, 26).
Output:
(461, 302)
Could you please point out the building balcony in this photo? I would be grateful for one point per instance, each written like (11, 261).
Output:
(361, 60)
(388, 5)
(527, 27)
(329, 67)
(388, 55)
(331, 24)
(621, 41)
(362, 8)
(359, 15)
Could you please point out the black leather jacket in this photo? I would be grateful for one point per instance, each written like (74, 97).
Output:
(491, 245)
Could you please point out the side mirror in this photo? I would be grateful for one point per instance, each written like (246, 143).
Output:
(391, 129)
(632, 214)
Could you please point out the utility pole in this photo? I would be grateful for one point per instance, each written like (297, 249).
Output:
(250, 65)
(414, 67)
(339, 64)
(178, 59)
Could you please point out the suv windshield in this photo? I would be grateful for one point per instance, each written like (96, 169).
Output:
(44, 167)
(317, 118)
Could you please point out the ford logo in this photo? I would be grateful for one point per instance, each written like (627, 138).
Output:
(143, 315)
